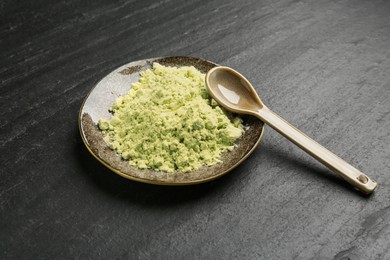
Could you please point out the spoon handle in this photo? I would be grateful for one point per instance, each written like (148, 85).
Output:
(326, 157)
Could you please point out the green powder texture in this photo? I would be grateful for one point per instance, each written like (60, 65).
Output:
(168, 122)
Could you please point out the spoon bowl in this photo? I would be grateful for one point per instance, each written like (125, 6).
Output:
(235, 93)
(222, 82)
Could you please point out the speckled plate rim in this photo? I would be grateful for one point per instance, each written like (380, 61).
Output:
(148, 181)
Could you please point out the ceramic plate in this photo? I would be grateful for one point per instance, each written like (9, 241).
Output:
(118, 83)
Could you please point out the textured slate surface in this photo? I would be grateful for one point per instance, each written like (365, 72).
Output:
(322, 65)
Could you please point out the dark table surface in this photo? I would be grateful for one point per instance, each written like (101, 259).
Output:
(322, 65)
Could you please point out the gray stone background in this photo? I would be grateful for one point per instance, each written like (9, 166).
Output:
(322, 65)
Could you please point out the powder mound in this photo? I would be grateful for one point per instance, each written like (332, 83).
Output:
(168, 122)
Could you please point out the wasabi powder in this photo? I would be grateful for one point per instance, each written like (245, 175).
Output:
(168, 122)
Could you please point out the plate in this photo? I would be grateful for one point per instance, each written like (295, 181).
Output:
(118, 83)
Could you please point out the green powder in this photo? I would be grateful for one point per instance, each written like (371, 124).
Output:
(168, 122)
